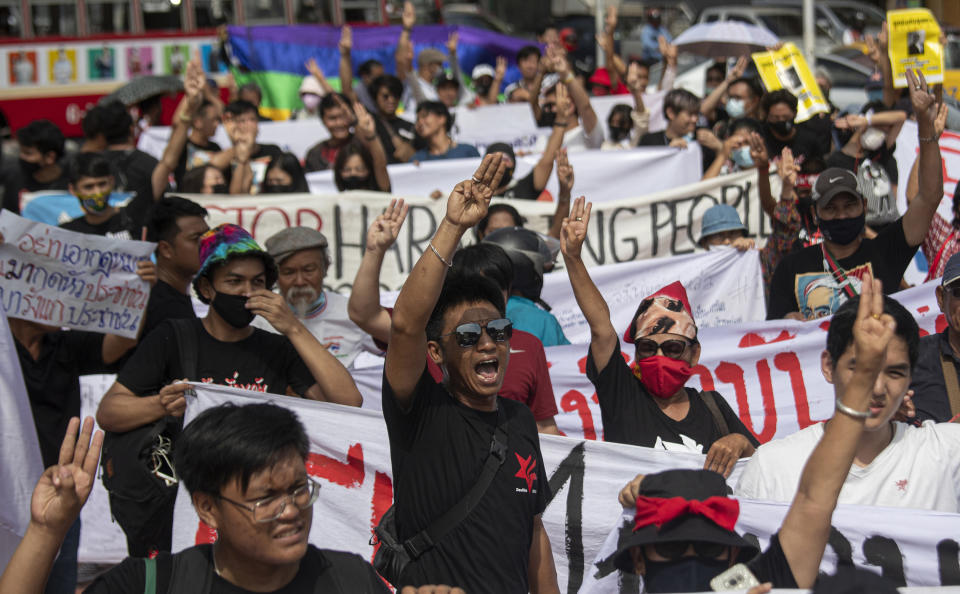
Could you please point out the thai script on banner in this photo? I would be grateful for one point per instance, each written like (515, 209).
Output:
(786, 68)
(659, 224)
(63, 278)
(914, 44)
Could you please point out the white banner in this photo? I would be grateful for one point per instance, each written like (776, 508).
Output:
(906, 153)
(20, 462)
(63, 278)
(654, 225)
(601, 176)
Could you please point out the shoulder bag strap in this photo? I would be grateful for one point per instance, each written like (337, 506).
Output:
(839, 274)
(953, 385)
(709, 398)
(150, 576)
(936, 259)
(187, 339)
(426, 539)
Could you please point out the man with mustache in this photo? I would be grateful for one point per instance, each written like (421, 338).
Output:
(302, 259)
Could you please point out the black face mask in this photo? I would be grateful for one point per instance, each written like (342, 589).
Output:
(220, 189)
(690, 574)
(507, 177)
(278, 189)
(781, 128)
(231, 309)
(547, 118)
(618, 133)
(843, 231)
(28, 168)
(483, 88)
(354, 182)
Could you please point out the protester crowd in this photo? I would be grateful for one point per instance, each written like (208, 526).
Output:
(466, 384)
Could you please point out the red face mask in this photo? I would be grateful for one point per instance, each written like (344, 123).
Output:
(662, 376)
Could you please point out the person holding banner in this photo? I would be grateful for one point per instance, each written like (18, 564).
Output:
(443, 437)
(92, 182)
(647, 404)
(817, 280)
(683, 536)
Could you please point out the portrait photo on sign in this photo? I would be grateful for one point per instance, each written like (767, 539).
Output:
(62, 66)
(139, 61)
(22, 66)
(100, 63)
(790, 79)
(915, 41)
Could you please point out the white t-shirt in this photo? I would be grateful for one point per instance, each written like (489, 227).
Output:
(919, 469)
(332, 326)
(575, 139)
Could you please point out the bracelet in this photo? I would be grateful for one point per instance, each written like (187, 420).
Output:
(186, 119)
(561, 124)
(929, 139)
(856, 414)
(449, 265)
(869, 118)
(569, 77)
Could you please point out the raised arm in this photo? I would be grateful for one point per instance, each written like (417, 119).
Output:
(603, 337)
(606, 43)
(919, 215)
(588, 117)
(406, 353)
(709, 105)
(544, 167)
(57, 499)
(493, 95)
(878, 52)
(758, 152)
(404, 52)
(242, 179)
(194, 84)
(806, 527)
(913, 183)
(364, 307)
(535, 92)
(565, 180)
(346, 64)
(333, 381)
(669, 53)
(314, 69)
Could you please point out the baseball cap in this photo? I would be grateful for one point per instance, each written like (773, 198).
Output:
(951, 271)
(444, 79)
(482, 70)
(834, 181)
(293, 239)
(430, 56)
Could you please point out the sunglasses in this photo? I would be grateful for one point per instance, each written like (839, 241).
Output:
(671, 348)
(676, 550)
(468, 334)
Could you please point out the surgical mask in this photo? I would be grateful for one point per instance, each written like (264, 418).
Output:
(736, 107)
(232, 308)
(872, 139)
(742, 158)
(278, 189)
(843, 231)
(96, 202)
(547, 118)
(310, 101)
(689, 137)
(874, 95)
(28, 168)
(690, 574)
(219, 189)
(781, 128)
(354, 182)
(662, 376)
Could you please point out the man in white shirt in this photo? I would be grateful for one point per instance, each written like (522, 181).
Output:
(302, 259)
(896, 464)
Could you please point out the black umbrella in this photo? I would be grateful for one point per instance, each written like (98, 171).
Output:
(144, 87)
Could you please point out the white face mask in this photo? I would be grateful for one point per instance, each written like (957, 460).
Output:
(735, 107)
(872, 139)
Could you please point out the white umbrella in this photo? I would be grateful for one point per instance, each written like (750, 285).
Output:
(725, 38)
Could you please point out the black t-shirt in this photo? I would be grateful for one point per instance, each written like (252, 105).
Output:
(820, 126)
(263, 362)
(15, 183)
(166, 303)
(53, 384)
(192, 156)
(630, 414)
(802, 283)
(259, 161)
(321, 570)
(882, 156)
(804, 143)
(119, 226)
(133, 172)
(660, 139)
(772, 566)
(437, 449)
(401, 128)
(524, 189)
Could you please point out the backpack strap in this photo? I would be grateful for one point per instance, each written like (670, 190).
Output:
(709, 398)
(150, 576)
(953, 385)
(425, 540)
(185, 332)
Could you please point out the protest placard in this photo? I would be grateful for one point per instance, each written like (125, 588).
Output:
(63, 278)
(914, 44)
(786, 68)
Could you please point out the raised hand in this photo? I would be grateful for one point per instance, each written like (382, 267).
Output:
(468, 201)
(610, 18)
(758, 151)
(668, 50)
(63, 489)
(452, 43)
(386, 227)
(501, 68)
(346, 39)
(737, 70)
(633, 77)
(564, 172)
(314, 68)
(365, 125)
(883, 37)
(923, 100)
(573, 229)
(564, 105)
(873, 329)
(603, 41)
(787, 169)
(347, 112)
(873, 50)
(940, 124)
(409, 15)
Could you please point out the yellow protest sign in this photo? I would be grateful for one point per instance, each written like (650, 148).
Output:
(786, 68)
(914, 43)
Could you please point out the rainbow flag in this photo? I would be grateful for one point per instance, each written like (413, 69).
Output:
(275, 57)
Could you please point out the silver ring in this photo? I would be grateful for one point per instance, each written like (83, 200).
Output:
(916, 88)
(578, 219)
(476, 181)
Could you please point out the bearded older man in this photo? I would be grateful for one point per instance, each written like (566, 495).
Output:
(302, 259)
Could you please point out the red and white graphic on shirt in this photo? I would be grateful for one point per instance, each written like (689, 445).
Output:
(526, 472)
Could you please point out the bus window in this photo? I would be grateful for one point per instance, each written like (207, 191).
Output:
(211, 13)
(264, 12)
(53, 18)
(10, 18)
(104, 16)
(161, 15)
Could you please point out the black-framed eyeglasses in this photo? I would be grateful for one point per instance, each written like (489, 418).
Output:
(271, 508)
(673, 348)
(469, 334)
(676, 550)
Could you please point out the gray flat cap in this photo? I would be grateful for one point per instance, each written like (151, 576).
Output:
(293, 239)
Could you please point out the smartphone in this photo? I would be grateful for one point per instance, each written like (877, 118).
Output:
(737, 577)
